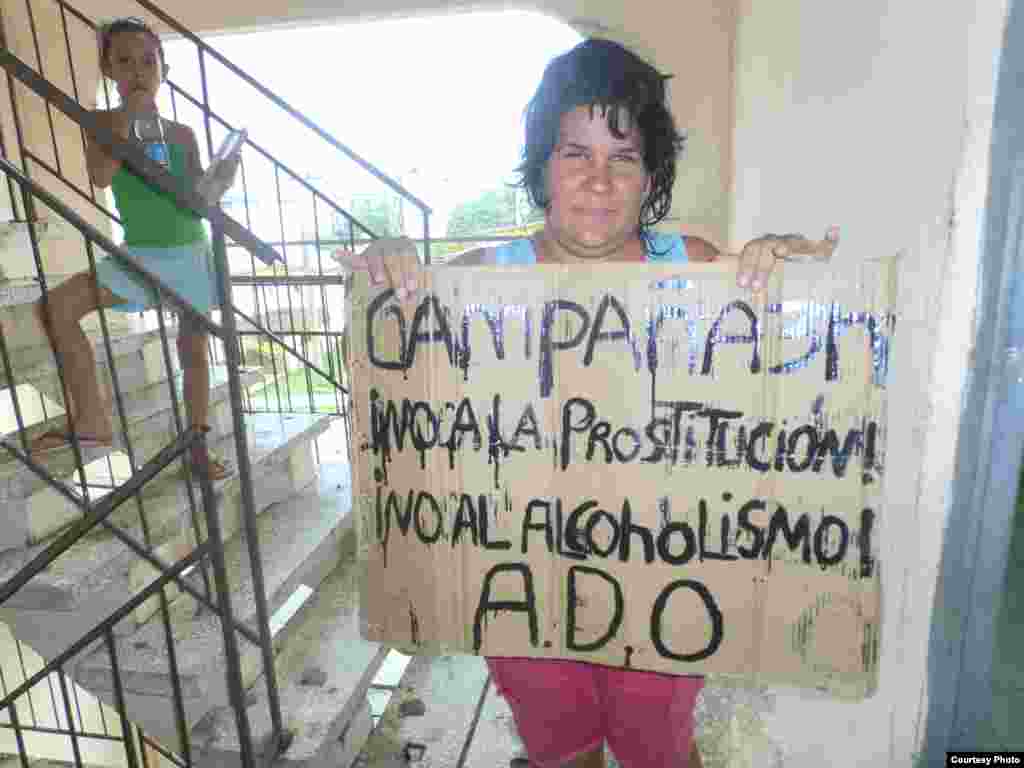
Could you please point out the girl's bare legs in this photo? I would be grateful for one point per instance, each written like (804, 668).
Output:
(67, 304)
(196, 372)
(195, 363)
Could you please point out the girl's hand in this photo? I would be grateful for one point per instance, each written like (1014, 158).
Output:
(121, 123)
(758, 257)
(393, 262)
(227, 169)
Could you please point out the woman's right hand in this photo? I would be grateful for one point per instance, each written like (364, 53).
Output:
(392, 262)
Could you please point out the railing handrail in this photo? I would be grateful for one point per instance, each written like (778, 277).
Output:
(90, 637)
(266, 154)
(108, 245)
(180, 29)
(152, 172)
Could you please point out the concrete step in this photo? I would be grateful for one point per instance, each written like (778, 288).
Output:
(99, 574)
(323, 672)
(451, 690)
(138, 359)
(33, 510)
(301, 541)
(140, 406)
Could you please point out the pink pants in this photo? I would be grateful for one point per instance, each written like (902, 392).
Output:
(565, 708)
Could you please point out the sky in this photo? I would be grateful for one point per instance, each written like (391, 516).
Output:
(436, 102)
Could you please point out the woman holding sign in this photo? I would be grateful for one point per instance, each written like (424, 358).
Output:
(599, 158)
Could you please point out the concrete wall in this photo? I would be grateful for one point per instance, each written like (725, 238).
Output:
(63, 140)
(877, 116)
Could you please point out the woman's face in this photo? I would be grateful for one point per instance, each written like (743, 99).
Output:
(596, 184)
(134, 64)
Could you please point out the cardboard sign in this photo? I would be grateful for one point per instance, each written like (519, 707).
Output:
(632, 465)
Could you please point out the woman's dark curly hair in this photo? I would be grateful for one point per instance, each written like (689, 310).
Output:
(603, 74)
(127, 24)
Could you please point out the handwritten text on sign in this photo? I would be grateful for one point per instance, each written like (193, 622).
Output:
(640, 466)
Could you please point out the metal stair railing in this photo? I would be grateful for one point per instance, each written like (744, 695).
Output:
(308, 324)
(265, 288)
(96, 513)
(241, 237)
(221, 224)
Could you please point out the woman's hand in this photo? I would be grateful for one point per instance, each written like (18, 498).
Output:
(758, 257)
(393, 262)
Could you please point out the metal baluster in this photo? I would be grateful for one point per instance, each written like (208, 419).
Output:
(231, 342)
(126, 726)
(236, 690)
(53, 701)
(277, 287)
(78, 709)
(25, 676)
(9, 375)
(28, 209)
(186, 464)
(325, 314)
(75, 446)
(339, 350)
(118, 399)
(426, 237)
(74, 85)
(18, 736)
(10, 182)
(39, 66)
(174, 104)
(252, 267)
(71, 720)
(165, 612)
(245, 478)
(273, 351)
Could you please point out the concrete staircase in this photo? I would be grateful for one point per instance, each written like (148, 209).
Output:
(307, 541)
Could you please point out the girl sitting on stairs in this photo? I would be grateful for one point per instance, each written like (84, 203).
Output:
(170, 242)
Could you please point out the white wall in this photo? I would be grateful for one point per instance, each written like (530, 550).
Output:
(877, 116)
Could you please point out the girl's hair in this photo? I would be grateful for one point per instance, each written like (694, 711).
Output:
(605, 75)
(127, 24)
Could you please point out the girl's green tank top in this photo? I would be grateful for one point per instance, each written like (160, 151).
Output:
(148, 216)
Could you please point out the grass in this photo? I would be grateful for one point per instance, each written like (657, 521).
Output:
(296, 390)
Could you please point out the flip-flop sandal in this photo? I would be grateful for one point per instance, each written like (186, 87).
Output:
(85, 443)
(220, 469)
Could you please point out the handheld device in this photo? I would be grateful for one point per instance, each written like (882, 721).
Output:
(148, 130)
(212, 187)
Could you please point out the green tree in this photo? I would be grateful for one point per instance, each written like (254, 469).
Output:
(500, 208)
(492, 209)
(379, 213)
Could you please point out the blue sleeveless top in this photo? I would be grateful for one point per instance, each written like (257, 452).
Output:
(520, 253)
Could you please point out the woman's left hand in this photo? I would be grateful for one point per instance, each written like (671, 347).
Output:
(758, 257)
